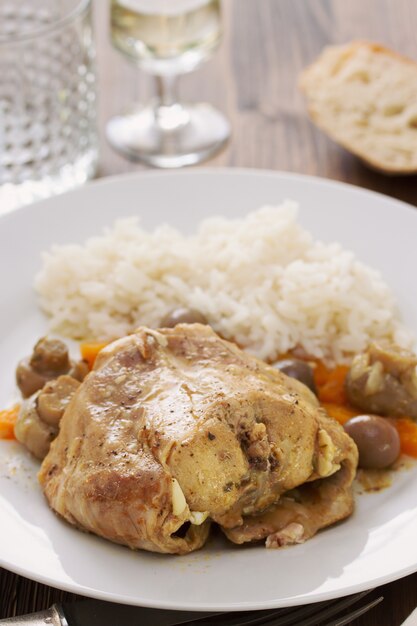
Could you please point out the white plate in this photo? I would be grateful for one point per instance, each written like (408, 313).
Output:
(377, 544)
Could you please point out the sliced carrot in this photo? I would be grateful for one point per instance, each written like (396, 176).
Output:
(8, 419)
(331, 388)
(321, 373)
(340, 413)
(90, 350)
(407, 429)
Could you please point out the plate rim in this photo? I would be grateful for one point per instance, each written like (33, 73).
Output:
(196, 171)
(201, 607)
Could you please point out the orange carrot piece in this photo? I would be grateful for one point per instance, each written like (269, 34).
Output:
(332, 389)
(340, 413)
(8, 419)
(407, 429)
(321, 373)
(90, 350)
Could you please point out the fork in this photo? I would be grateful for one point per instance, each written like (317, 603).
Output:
(328, 613)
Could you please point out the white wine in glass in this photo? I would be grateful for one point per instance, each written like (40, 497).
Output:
(167, 38)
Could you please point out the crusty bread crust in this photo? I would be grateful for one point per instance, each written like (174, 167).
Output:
(364, 96)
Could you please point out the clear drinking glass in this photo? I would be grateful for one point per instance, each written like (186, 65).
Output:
(48, 136)
(167, 38)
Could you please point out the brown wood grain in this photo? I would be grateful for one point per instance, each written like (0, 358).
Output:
(253, 79)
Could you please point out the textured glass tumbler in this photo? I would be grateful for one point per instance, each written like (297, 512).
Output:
(48, 134)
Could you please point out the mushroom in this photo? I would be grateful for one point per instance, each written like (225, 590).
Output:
(49, 360)
(383, 381)
(35, 434)
(54, 398)
(37, 424)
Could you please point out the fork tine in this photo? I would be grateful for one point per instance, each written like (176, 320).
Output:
(255, 619)
(241, 618)
(347, 619)
(310, 614)
(330, 610)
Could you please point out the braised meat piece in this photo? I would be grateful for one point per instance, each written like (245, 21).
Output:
(177, 427)
(383, 380)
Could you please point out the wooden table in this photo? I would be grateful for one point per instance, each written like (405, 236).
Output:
(253, 78)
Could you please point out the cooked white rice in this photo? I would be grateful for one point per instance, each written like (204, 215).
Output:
(262, 281)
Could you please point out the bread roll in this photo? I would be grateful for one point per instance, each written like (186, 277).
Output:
(364, 96)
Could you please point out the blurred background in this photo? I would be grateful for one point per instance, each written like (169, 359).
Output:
(253, 79)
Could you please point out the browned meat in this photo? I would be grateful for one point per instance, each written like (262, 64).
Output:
(383, 380)
(300, 513)
(174, 428)
(49, 359)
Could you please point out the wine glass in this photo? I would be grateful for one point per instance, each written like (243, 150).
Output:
(167, 38)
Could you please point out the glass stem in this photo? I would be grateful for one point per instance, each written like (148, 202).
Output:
(170, 115)
(167, 90)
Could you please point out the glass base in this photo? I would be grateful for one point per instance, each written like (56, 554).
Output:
(169, 136)
(14, 194)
